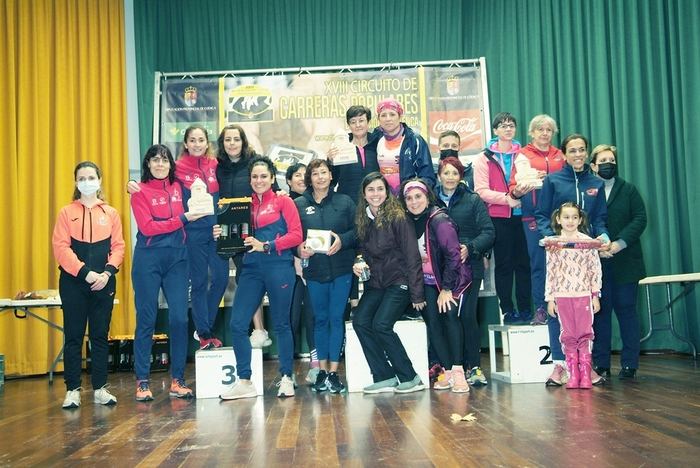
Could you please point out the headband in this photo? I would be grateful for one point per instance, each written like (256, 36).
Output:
(414, 184)
(390, 103)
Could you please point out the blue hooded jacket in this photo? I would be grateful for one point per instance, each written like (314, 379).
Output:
(583, 188)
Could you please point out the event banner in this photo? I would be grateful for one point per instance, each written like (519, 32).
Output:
(295, 117)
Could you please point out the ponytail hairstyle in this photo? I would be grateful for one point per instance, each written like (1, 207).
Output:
(583, 227)
(189, 130)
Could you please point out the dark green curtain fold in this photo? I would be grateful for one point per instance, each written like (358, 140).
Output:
(621, 72)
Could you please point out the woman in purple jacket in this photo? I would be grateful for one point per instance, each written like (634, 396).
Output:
(446, 279)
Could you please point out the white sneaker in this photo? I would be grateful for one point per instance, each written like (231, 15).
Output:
(239, 390)
(72, 399)
(286, 386)
(103, 397)
(260, 339)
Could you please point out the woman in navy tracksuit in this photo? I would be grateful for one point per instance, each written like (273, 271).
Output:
(328, 276)
(267, 268)
(578, 184)
(160, 261)
(197, 163)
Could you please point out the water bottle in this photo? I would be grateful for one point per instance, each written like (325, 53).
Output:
(364, 276)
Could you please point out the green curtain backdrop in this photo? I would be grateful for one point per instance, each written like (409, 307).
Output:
(620, 72)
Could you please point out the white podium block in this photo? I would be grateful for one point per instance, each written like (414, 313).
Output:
(529, 354)
(414, 337)
(216, 368)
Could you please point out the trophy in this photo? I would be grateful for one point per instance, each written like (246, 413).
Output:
(558, 242)
(234, 219)
(318, 240)
(200, 201)
(526, 174)
(347, 153)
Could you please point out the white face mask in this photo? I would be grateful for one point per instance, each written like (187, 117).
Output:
(88, 187)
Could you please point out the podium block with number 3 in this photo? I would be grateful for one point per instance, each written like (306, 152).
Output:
(215, 369)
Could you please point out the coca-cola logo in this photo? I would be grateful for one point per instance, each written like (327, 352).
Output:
(463, 126)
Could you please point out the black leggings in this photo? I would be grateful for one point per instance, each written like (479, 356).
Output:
(444, 329)
(302, 311)
(470, 326)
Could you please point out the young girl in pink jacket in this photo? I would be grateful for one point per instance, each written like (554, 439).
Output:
(572, 290)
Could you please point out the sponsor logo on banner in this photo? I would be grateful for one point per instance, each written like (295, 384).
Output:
(190, 96)
(249, 103)
(184, 103)
(452, 86)
(467, 123)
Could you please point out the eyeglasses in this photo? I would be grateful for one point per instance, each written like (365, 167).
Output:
(159, 159)
(506, 126)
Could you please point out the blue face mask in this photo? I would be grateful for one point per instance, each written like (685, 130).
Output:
(88, 187)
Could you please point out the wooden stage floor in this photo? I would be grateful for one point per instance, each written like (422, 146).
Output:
(653, 421)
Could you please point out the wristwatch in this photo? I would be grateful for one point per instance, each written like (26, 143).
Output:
(266, 247)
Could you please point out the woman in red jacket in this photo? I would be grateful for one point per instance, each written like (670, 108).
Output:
(160, 261)
(89, 248)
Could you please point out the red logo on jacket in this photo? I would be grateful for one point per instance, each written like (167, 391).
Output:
(593, 192)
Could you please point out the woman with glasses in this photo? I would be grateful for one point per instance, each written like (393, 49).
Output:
(492, 173)
(160, 261)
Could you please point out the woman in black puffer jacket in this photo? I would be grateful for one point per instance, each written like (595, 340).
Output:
(477, 234)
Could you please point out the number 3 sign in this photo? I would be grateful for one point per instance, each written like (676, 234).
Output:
(216, 368)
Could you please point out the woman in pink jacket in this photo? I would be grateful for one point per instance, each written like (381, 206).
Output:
(492, 172)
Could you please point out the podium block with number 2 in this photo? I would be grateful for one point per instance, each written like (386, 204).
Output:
(529, 359)
(215, 369)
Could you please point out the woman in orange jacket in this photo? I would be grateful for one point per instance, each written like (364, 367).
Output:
(89, 248)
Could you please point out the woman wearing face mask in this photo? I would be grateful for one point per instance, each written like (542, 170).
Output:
(575, 183)
(623, 266)
(89, 248)
(446, 280)
(449, 143)
(401, 153)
